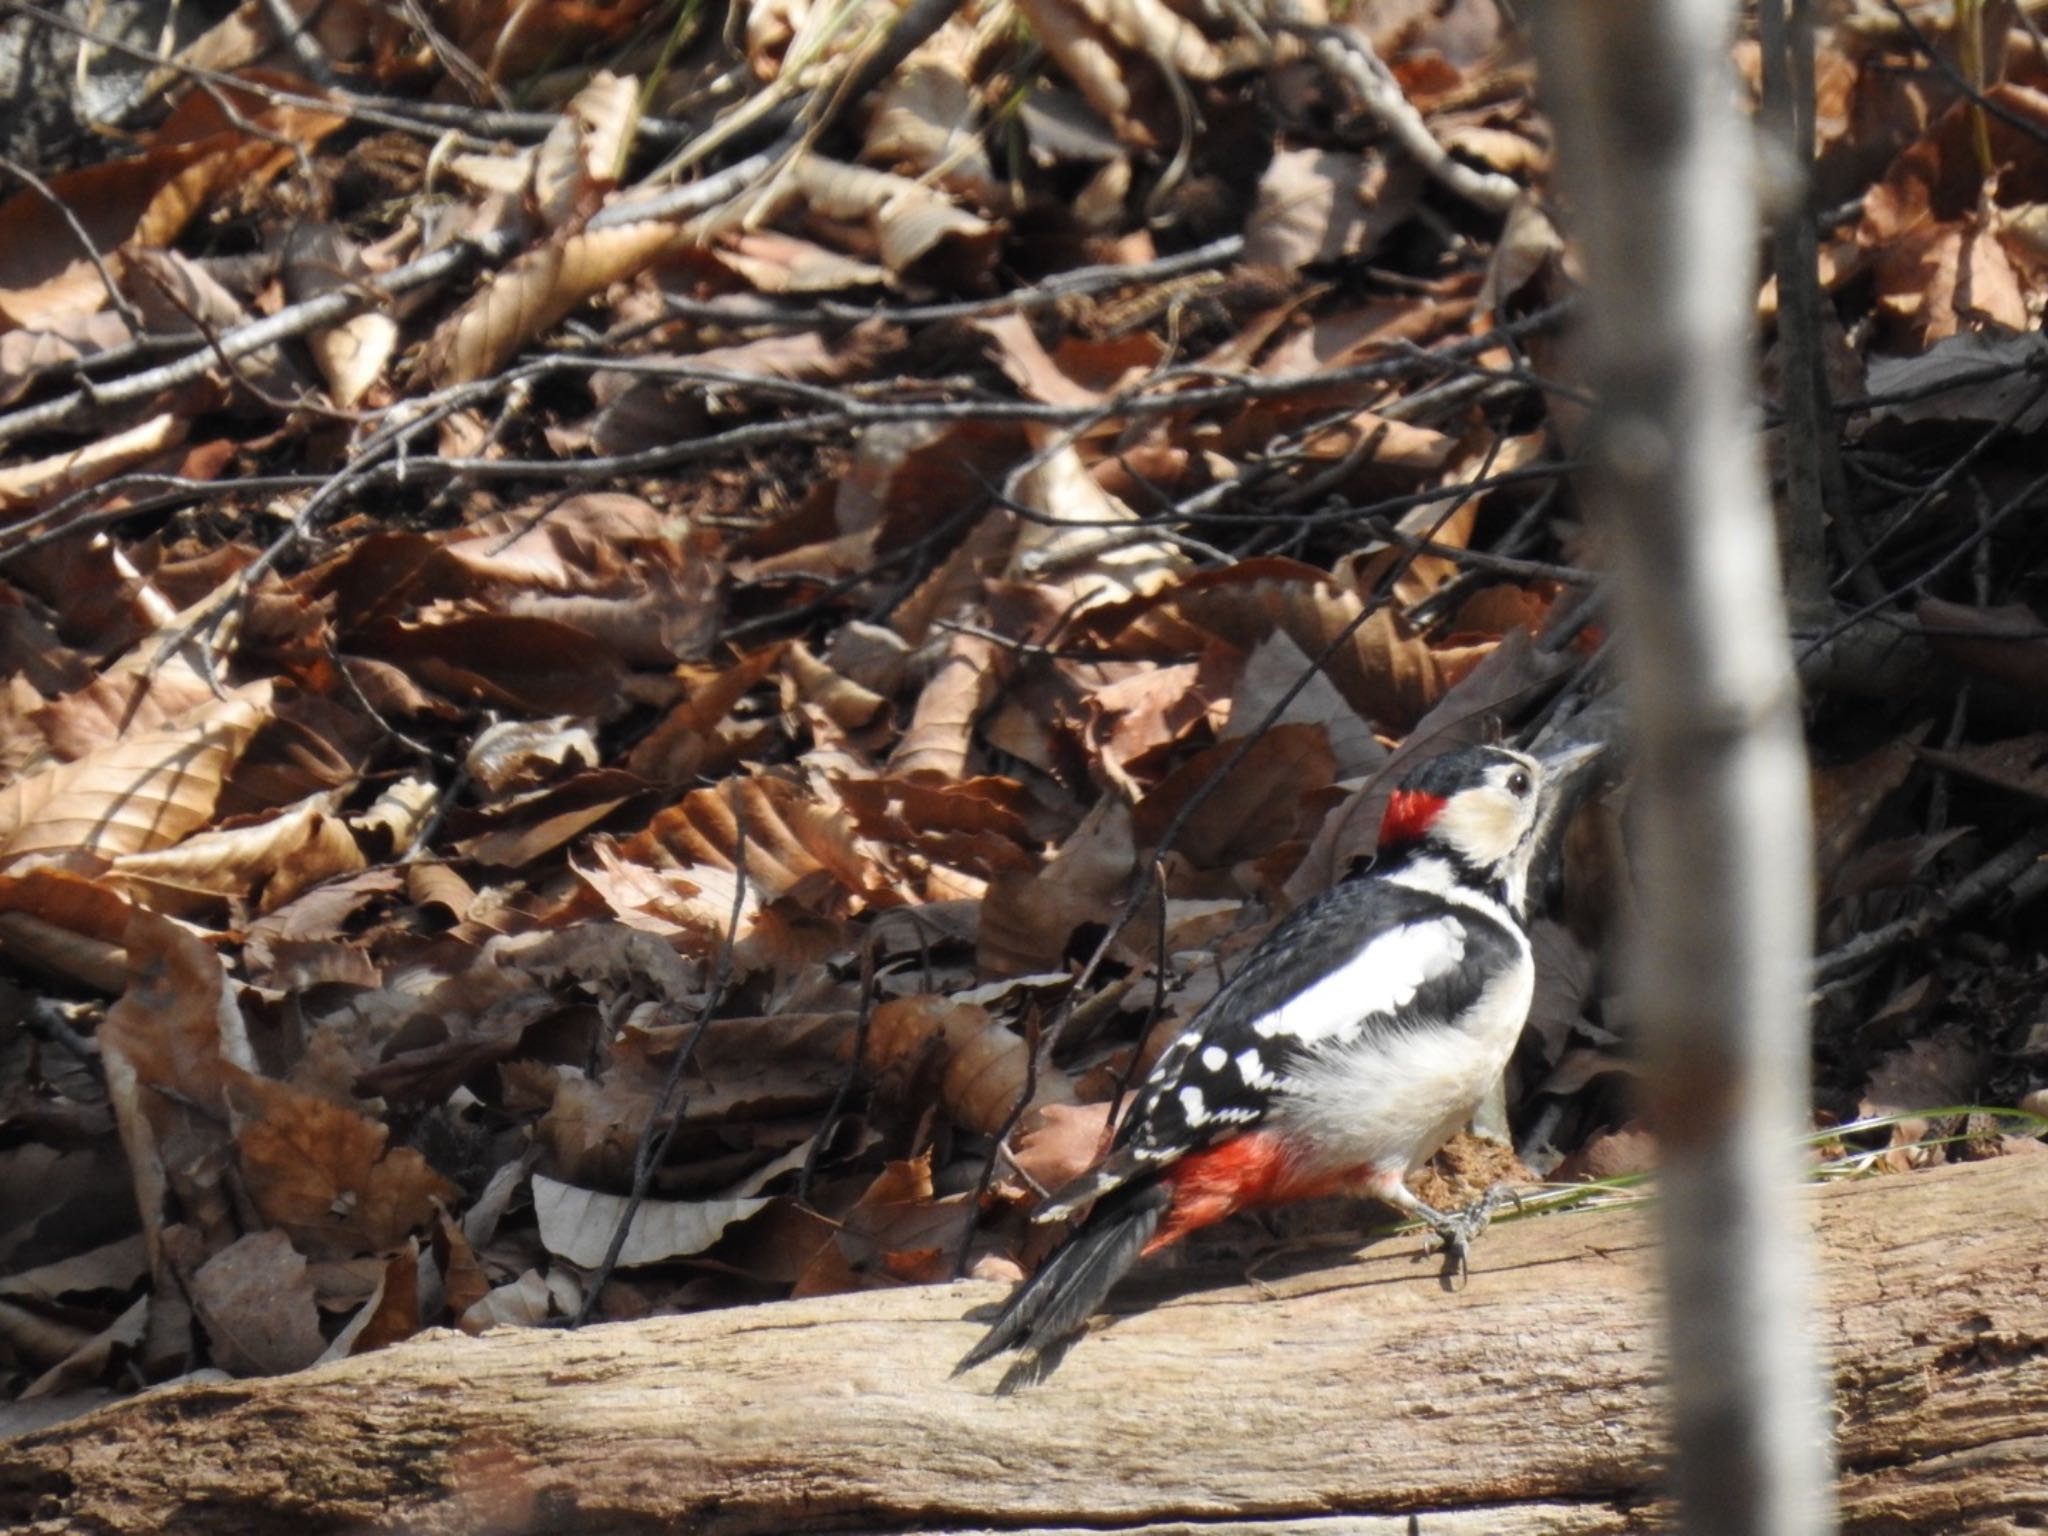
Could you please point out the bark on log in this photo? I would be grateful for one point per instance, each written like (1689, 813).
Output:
(1359, 1398)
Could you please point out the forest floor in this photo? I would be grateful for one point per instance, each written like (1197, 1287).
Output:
(811, 579)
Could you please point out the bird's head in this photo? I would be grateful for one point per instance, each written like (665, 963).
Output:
(1484, 810)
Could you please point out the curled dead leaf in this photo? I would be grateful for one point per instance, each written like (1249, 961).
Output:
(982, 1065)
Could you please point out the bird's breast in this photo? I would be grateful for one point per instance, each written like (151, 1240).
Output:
(1388, 1097)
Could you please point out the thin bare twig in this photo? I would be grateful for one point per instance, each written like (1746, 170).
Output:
(1995, 876)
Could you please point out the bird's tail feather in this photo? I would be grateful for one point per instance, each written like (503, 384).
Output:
(1049, 1310)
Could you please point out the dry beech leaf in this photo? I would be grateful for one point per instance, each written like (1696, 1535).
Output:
(534, 291)
(174, 293)
(256, 1301)
(1388, 675)
(795, 842)
(577, 1224)
(1318, 205)
(786, 33)
(938, 742)
(685, 744)
(1146, 712)
(581, 157)
(926, 122)
(1258, 804)
(533, 665)
(783, 264)
(389, 823)
(308, 840)
(36, 1339)
(120, 1340)
(132, 696)
(527, 1302)
(917, 233)
(390, 1313)
(324, 1175)
(519, 754)
(147, 198)
(2023, 356)
(1028, 920)
(352, 356)
(171, 1042)
(974, 825)
(22, 485)
(1057, 1143)
(895, 1234)
(113, 1267)
(842, 701)
(1277, 664)
(1848, 796)
(1610, 1155)
(1088, 56)
(1028, 366)
(53, 342)
(1116, 53)
(981, 1064)
(463, 1282)
(65, 925)
(1370, 440)
(525, 827)
(661, 901)
(1077, 551)
(147, 792)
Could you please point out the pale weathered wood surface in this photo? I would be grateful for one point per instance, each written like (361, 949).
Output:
(1361, 1395)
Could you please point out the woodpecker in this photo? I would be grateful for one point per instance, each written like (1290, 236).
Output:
(1355, 1040)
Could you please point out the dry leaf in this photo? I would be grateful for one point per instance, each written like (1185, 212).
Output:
(323, 1174)
(577, 1224)
(1318, 206)
(256, 1302)
(135, 795)
(982, 1066)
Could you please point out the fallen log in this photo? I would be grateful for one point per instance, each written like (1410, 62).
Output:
(1351, 1394)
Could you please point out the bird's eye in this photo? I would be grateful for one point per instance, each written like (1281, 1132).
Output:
(1518, 783)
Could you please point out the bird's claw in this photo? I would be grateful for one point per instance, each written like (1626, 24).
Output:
(1458, 1230)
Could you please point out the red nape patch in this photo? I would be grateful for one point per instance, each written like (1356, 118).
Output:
(1245, 1171)
(1409, 815)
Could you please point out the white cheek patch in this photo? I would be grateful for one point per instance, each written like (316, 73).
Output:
(1484, 825)
(1382, 978)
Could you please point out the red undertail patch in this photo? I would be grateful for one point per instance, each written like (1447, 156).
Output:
(1250, 1170)
(1408, 817)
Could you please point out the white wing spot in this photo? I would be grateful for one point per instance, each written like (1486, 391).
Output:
(1252, 1068)
(1381, 978)
(1193, 1106)
(1213, 1057)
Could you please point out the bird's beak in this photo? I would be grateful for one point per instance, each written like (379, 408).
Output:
(1561, 768)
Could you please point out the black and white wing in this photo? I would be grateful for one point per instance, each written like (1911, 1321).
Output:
(1370, 956)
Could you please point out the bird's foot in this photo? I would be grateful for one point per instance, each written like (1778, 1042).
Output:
(1458, 1230)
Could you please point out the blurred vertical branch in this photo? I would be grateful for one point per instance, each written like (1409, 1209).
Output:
(1657, 164)
(1815, 489)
